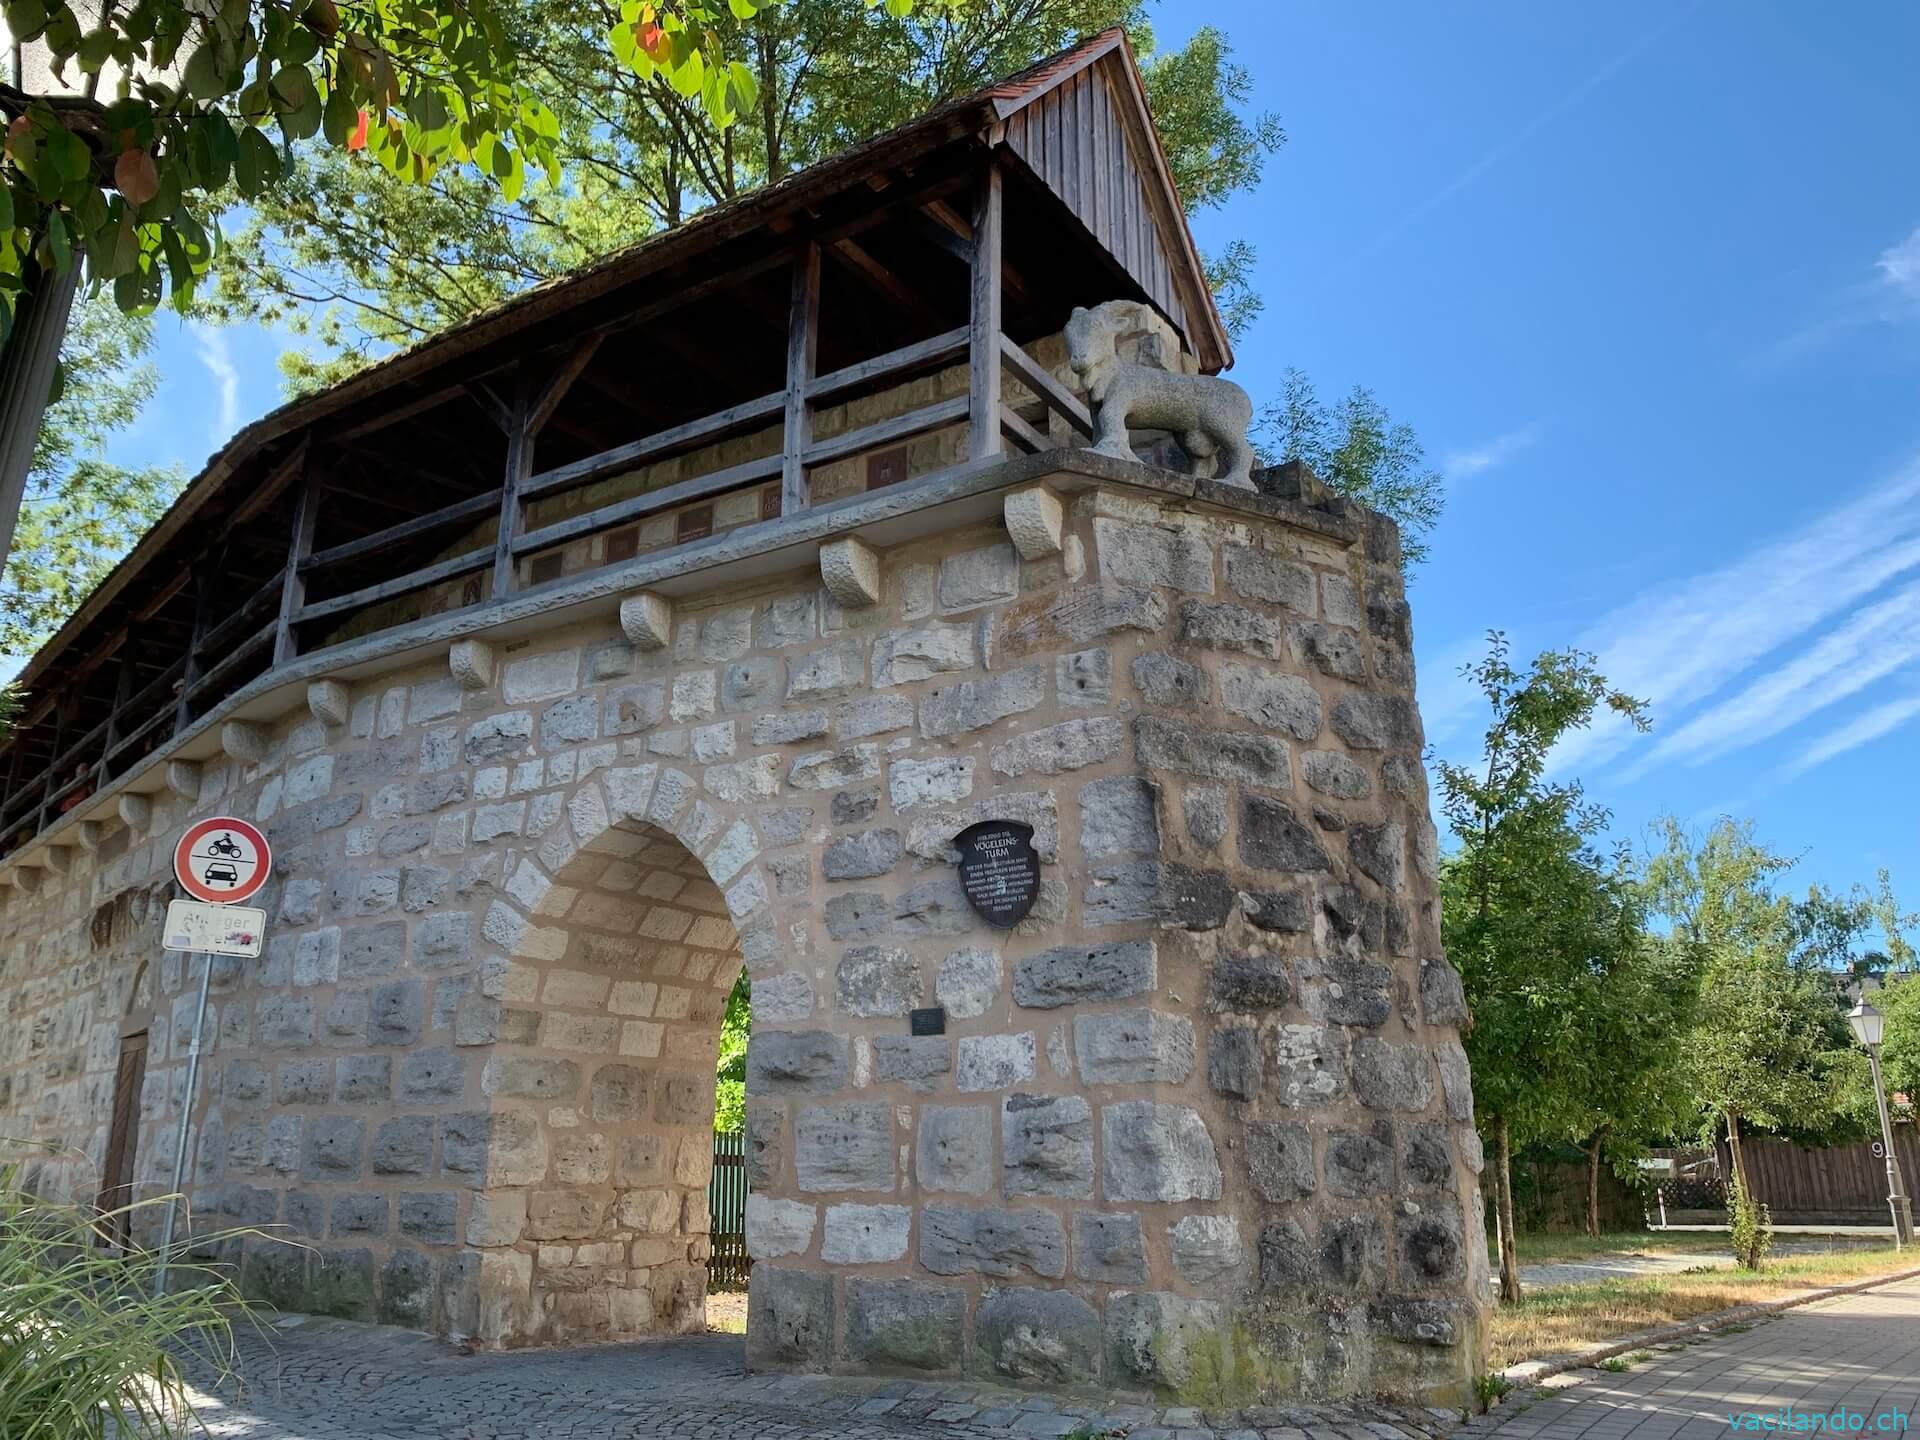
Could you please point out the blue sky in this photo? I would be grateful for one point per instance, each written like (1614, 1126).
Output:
(1646, 280)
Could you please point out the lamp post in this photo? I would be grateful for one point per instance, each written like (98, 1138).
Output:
(1869, 1025)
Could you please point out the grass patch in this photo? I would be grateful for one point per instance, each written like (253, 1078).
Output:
(1557, 1318)
(1549, 1249)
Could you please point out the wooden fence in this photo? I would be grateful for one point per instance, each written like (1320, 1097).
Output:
(728, 1265)
(1843, 1184)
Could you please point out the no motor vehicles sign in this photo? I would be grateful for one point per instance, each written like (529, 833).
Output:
(222, 861)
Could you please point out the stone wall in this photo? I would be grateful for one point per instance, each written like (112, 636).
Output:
(1201, 1123)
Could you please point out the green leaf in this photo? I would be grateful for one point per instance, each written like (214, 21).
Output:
(743, 9)
(339, 116)
(96, 47)
(63, 32)
(59, 243)
(6, 207)
(746, 88)
(69, 155)
(202, 76)
(58, 387)
(257, 165)
(26, 19)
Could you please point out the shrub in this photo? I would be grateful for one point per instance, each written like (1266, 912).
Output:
(87, 1347)
(1750, 1226)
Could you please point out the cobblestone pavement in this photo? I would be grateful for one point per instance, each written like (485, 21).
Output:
(1857, 1351)
(333, 1380)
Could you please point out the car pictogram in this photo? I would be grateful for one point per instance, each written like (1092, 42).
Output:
(221, 872)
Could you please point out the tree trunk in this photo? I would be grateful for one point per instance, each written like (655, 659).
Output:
(28, 357)
(1593, 1182)
(1509, 1251)
(1733, 1148)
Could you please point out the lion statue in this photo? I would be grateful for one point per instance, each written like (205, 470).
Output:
(1209, 415)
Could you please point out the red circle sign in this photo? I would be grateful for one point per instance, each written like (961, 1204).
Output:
(222, 861)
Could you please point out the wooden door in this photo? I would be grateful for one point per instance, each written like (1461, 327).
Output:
(116, 1171)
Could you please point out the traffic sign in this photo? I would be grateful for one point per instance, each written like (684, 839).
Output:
(222, 861)
(214, 929)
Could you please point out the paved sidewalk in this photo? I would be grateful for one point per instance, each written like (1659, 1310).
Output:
(333, 1380)
(1857, 1351)
(1629, 1266)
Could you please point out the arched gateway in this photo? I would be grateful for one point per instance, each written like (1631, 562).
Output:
(1198, 1121)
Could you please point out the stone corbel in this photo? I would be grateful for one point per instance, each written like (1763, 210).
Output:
(647, 619)
(330, 701)
(26, 879)
(136, 811)
(851, 572)
(92, 832)
(245, 741)
(471, 664)
(1035, 521)
(183, 778)
(59, 859)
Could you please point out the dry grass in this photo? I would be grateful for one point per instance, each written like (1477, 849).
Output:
(727, 1312)
(1558, 1318)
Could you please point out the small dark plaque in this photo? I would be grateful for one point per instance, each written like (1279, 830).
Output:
(999, 870)
(931, 1021)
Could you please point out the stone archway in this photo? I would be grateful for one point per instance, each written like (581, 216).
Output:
(593, 1222)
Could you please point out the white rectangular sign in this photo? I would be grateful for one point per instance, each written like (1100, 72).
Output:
(214, 929)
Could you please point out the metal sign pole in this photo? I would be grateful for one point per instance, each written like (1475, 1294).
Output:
(186, 1117)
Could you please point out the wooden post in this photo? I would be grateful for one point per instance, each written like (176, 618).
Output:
(983, 331)
(803, 354)
(202, 603)
(293, 585)
(51, 780)
(122, 690)
(520, 433)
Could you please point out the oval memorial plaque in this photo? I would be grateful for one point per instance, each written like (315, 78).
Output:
(999, 870)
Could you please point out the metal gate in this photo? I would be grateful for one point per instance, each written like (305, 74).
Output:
(728, 1265)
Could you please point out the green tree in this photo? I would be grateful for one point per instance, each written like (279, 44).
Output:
(81, 511)
(1533, 918)
(730, 1069)
(1358, 450)
(1768, 1048)
(360, 262)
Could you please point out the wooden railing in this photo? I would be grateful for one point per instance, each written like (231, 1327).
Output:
(265, 631)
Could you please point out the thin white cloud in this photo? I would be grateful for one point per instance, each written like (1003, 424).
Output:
(1678, 644)
(1862, 730)
(1463, 464)
(217, 356)
(1869, 646)
(1899, 266)
(1891, 296)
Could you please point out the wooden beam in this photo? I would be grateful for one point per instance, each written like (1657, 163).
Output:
(561, 381)
(983, 340)
(497, 410)
(892, 365)
(519, 467)
(1031, 374)
(651, 502)
(1018, 430)
(475, 508)
(657, 446)
(900, 427)
(433, 400)
(238, 616)
(952, 232)
(803, 353)
(402, 585)
(293, 585)
(190, 676)
(269, 489)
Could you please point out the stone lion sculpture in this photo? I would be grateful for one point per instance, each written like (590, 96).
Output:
(1208, 414)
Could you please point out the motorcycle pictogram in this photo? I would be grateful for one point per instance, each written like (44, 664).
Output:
(226, 845)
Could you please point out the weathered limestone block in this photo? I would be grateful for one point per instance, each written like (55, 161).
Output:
(136, 811)
(851, 572)
(646, 619)
(330, 702)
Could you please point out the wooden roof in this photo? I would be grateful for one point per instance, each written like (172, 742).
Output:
(721, 253)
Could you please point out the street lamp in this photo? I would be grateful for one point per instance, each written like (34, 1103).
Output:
(1869, 1026)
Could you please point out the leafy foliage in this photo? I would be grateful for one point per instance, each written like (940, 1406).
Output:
(1359, 450)
(415, 85)
(361, 261)
(1749, 1226)
(81, 513)
(1536, 922)
(88, 1347)
(730, 1085)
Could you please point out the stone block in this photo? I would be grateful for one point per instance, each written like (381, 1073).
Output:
(470, 663)
(1073, 974)
(940, 780)
(430, 1076)
(1235, 1065)
(972, 578)
(1133, 1047)
(873, 980)
(1207, 1250)
(428, 1217)
(1167, 1342)
(563, 1215)
(790, 1320)
(1358, 1166)
(865, 1234)
(904, 1325)
(976, 704)
(1232, 627)
(802, 1061)
(1259, 575)
(1035, 520)
(1176, 557)
(408, 1284)
(992, 1241)
(1378, 852)
(968, 983)
(1442, 1000)
(1163, 743)
(1083, 679)
(851, 572)
(1038, 1337)
(1376, 722)
(1281, 703)
(1157, 1153)
(778, 1227)
(1336, 775)
(831, 770)
(993, 1062)
(920, 652)
(1279, 1161)
(358, 1214)
(1047, 1146)
(844, 1147)
(336, 1146)
(1056, 749)
(953, 1149)
(1117, 817)
(403, 1145)
(1390, 1076)
(917, 1061)
(1273, 837)
(1109, 1249)
(340, 1284)
(363, 1079)
(498, 1217)
(862, 855)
